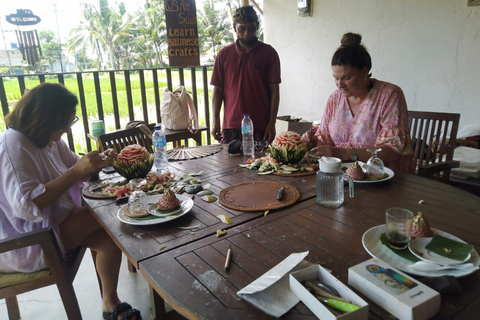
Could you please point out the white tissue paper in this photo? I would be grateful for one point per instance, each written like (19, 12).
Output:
(271, 292)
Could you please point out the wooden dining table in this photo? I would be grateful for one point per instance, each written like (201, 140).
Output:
(185, 267)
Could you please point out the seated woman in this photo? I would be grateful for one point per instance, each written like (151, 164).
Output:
(40, 184)
(363, 113)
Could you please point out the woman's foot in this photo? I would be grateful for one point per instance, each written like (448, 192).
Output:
(122, 311)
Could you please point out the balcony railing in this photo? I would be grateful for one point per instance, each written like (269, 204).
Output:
(115, 96)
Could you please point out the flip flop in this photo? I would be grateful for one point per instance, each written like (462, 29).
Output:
(122, 307)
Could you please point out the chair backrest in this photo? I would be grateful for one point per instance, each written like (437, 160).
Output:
(61, 272)
(434, 136)
(124, 137)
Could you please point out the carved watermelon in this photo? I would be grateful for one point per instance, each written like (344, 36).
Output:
(288, 147)
(134, 161)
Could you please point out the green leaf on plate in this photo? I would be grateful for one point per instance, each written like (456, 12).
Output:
(449, 248)
(406, 254)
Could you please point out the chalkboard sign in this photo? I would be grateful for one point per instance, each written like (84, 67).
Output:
(182, 33)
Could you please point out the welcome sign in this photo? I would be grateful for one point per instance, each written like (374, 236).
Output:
(23, 18)
(182, 33)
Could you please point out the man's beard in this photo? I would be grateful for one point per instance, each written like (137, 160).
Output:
(248, 43)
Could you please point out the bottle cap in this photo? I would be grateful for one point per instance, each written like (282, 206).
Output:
(158, 126)
(245, 115)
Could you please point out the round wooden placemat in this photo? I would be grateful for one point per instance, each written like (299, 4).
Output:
(258, 196)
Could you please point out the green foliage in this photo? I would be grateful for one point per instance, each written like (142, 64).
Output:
(51, 49)
(214, 28)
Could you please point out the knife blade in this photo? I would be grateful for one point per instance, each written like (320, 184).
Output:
(280, 194)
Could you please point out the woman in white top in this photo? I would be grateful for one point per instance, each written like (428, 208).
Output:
(41, 180)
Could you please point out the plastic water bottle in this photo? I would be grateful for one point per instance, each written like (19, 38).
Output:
(247, 137)
(160, 149)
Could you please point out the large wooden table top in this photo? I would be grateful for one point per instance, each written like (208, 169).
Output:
(221, 171)
(189, 272)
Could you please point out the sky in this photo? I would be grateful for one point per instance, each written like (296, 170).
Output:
(68, 13)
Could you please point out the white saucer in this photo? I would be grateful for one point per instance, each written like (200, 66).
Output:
(186, 203)
(152, 219)
(417, 247)
(388, 171)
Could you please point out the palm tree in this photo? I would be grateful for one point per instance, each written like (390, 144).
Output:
(102, 28)
(213, 28)
(149, 29)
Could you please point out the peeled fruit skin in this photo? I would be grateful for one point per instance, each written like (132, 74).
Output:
(355, 171)
(168, 201)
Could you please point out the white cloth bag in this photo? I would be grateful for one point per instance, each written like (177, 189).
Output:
(178, 111)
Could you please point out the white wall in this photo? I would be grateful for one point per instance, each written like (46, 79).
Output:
(430, 48)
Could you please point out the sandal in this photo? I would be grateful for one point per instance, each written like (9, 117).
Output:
(132, 314)
(118, 310)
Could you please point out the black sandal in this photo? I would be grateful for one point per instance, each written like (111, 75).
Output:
(118, 310)
(132, 314)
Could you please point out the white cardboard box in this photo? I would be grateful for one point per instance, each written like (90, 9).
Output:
(394, 291)
(317, 272)
(284, 124)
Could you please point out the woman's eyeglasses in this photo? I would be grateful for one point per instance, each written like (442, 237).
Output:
(75, 120)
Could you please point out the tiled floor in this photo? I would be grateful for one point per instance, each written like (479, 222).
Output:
(46, 304)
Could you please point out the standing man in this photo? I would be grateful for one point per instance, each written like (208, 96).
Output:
(246, 78)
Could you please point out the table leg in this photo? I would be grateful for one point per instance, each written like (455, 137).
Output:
(158, 305)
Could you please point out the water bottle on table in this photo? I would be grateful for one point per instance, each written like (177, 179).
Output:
(247, 137)
(160, 149)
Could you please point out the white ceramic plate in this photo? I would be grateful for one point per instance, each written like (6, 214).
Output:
(417, 247)
(150, 220)
(372, 244)
(388, 171)
(186, 203)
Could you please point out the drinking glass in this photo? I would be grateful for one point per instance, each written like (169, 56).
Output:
(375, 167)
(137, 201)
(399, 227)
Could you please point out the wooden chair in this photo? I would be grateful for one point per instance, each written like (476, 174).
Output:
(434, 136)
(120, 138)
(124, 137)
(61, 272)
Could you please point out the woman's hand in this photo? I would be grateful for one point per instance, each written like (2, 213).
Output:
(109, 156)
(311, 139)
(89, 165)
(325, 151)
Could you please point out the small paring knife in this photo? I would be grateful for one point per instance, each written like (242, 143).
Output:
(280, 194)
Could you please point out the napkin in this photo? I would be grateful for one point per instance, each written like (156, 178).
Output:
(449, 248)
(271, 292)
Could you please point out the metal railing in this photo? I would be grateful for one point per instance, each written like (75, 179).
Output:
(118, 91)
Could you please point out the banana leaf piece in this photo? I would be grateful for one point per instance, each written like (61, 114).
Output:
(449, 248)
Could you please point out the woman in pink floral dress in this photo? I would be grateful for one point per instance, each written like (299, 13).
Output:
(363, 113)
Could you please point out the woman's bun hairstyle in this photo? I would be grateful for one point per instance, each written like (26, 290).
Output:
(352, 53)
(351, 39)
